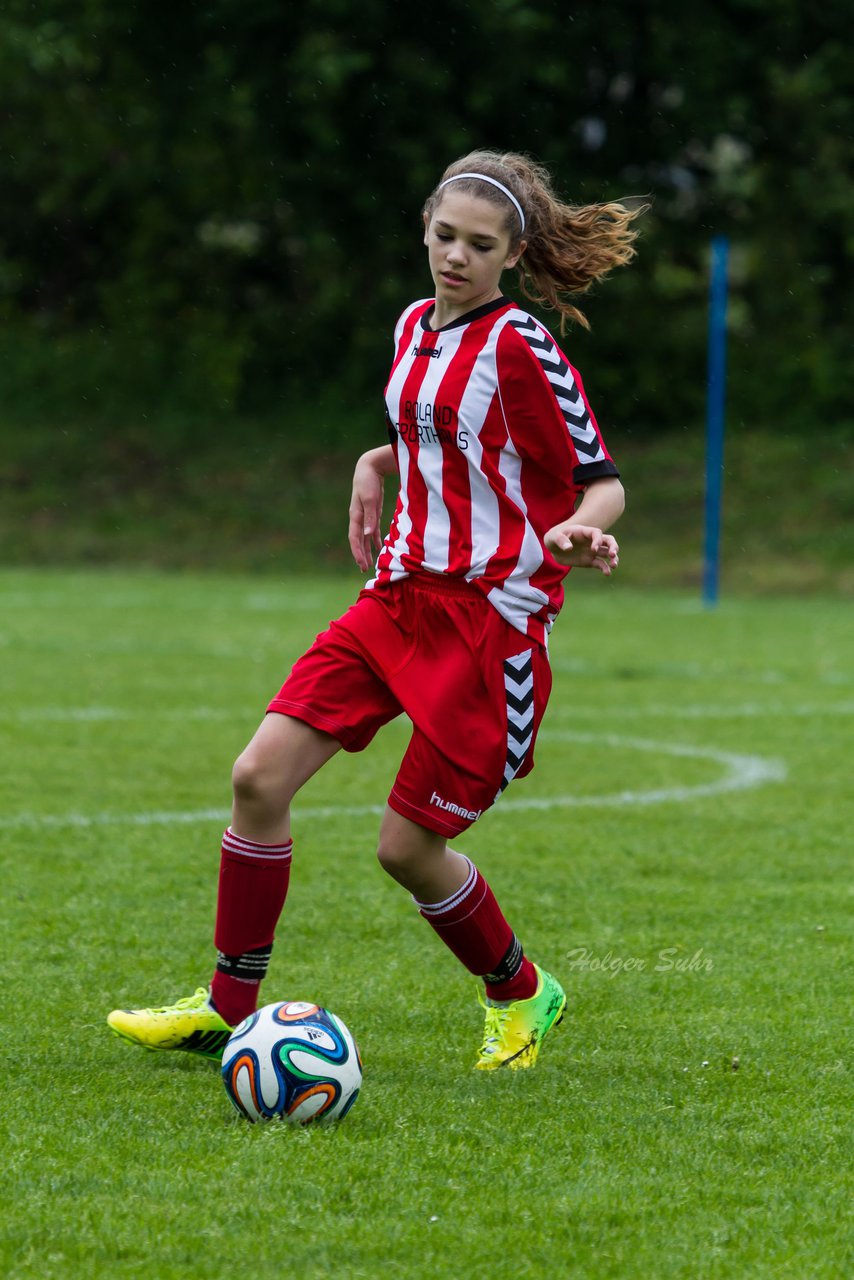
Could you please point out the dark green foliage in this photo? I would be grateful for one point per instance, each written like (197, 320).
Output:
(206, 205)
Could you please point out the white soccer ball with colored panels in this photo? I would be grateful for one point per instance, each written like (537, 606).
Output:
(292, 1061)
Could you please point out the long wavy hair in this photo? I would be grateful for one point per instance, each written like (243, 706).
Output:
(568, 247)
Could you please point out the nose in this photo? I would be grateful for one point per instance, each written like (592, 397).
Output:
(456, 253)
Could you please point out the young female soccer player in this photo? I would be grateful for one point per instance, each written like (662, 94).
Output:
(504, 484)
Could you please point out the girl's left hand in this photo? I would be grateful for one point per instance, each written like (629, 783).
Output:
(583, 546)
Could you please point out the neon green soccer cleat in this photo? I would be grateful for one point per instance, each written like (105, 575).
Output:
(514, 1031)
(191, 1024)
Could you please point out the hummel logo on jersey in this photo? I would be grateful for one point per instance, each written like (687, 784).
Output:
(450, 807)
(432, 352)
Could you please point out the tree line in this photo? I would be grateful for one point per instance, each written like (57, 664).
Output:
(218, 203)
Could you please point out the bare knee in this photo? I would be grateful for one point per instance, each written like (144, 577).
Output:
(394, 857)
(255, 782)
(407, 851)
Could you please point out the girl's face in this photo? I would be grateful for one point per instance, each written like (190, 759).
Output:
(468, 248)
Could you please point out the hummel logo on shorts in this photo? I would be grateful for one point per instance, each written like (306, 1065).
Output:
(458, 809)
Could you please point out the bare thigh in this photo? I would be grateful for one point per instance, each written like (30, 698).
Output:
(283, 754)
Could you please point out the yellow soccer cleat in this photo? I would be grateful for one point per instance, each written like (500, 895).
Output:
(191, 1024)
(515, 1030)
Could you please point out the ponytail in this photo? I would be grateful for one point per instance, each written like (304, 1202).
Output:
(568, 247)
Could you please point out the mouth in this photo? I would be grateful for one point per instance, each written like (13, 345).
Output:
(451, 277)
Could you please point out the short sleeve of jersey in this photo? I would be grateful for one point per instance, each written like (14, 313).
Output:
(548, 417)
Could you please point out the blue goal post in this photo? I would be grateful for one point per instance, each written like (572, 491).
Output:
(715, 401)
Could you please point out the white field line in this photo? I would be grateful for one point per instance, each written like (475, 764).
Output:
(707, 711)
(283, 603)
(677, 711)
(738, 773)
(93, 715)
(700, 671)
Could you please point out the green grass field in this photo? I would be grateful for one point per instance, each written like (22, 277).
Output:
(680, 858)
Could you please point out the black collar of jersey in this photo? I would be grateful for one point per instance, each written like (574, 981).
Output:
(467, 318)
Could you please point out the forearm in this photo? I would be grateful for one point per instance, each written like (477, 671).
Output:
(602, 504)
(382, 459)
(366, 503)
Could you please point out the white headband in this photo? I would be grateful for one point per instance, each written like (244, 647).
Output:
(493, 182)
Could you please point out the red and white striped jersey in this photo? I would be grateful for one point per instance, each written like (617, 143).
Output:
(494, 441)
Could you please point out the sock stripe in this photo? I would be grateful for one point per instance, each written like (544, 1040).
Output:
(251, 966)
(509, 966)
(232, 843)
(472, 926)
(430, 909)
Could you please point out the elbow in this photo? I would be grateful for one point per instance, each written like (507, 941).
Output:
(603, 503)
(619, 499)
(611, 499)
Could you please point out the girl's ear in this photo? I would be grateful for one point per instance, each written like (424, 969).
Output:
(514, 257)
(426, 219)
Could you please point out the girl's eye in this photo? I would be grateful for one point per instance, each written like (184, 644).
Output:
(481, 248)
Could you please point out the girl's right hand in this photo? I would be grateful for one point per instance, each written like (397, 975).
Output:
(366, 509)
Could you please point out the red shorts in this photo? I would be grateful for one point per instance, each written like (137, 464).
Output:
(474, 688)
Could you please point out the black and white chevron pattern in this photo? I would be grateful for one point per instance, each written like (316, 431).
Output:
(519, 690)
(570, 401)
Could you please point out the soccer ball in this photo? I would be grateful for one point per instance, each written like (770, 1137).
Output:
(292, 1061)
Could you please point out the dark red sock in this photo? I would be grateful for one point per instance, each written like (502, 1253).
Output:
(253, 885)
(472, 925)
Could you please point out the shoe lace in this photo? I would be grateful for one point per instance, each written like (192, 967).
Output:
(188, 1002)
(493, 1031)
